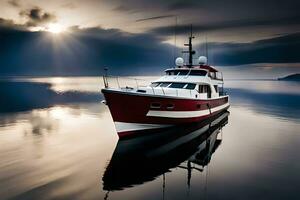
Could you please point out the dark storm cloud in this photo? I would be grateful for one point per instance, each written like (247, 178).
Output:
(226, 8)
(283, 49)
(36, 16)
(214, 15)
(8, 25)
(246, 23)
(87, 51)
(83, 52)
(181, 5)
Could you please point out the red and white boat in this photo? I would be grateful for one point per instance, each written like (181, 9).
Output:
(187, 93)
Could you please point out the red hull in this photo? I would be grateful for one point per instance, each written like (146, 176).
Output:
(136, 108)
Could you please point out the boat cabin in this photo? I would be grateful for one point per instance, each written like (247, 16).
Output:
(202, 70)
(187, 79)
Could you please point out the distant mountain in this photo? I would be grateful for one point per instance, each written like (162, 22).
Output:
(292, 77)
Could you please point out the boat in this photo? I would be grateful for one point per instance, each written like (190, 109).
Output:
(138, 160)
(187, 93)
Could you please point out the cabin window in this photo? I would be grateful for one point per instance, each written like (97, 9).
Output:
(219, 76)
(198, 73)
(184, 72)
(204, 89)
(172, 72)
(154, 84)
(216, 88)
(142, 91)
(155, 105)
(177, 85)
(187, 72)
(170, 106)
(190, 86)
(221, 90)
(164, 84)
(213, 75)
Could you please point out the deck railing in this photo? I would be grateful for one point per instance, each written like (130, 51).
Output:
(124, 82)
(143, 86)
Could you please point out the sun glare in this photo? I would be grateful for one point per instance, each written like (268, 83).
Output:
(55, 28)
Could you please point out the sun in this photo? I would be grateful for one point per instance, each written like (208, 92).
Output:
(55, 28)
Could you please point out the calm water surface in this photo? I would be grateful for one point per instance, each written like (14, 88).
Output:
(57, 141)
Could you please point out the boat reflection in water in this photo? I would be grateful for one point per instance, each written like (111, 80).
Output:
(144, 158)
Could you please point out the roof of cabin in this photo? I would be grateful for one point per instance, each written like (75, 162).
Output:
(198, 67)
(209, 68)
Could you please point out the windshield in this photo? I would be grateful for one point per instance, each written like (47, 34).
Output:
(188, 86)
(186, 72)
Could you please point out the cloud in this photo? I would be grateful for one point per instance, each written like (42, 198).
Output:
(228, 20)
(8, 25)
(14, 3)
(182, 5)
(87, 51)
(82, 52)
(232, 24)
(69, 5)
(36, 16)
(282, 49)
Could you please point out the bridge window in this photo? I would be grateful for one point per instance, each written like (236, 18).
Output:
(164, 84)
(198, 73)
(154, 84)
(190, 86)
(177, 85)
(184, 72)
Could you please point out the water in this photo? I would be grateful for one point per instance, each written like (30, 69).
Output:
(57, 141)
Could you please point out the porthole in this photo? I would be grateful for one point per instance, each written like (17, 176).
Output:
(155, 105)
(170, 106)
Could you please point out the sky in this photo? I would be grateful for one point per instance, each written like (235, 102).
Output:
(245, 38)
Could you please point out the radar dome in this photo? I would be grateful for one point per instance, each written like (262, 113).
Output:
(202, 60)
(179, 61)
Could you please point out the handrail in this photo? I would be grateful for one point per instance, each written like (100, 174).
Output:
(116, 80)
(154, 89)
(125, 77)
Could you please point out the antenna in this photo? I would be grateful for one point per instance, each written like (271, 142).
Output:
(175, 34)
(191, 52)
(206, 48)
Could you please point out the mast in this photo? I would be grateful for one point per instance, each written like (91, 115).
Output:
(191, 52)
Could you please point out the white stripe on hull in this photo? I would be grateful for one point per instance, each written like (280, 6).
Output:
(123, 126)
(184, 114)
